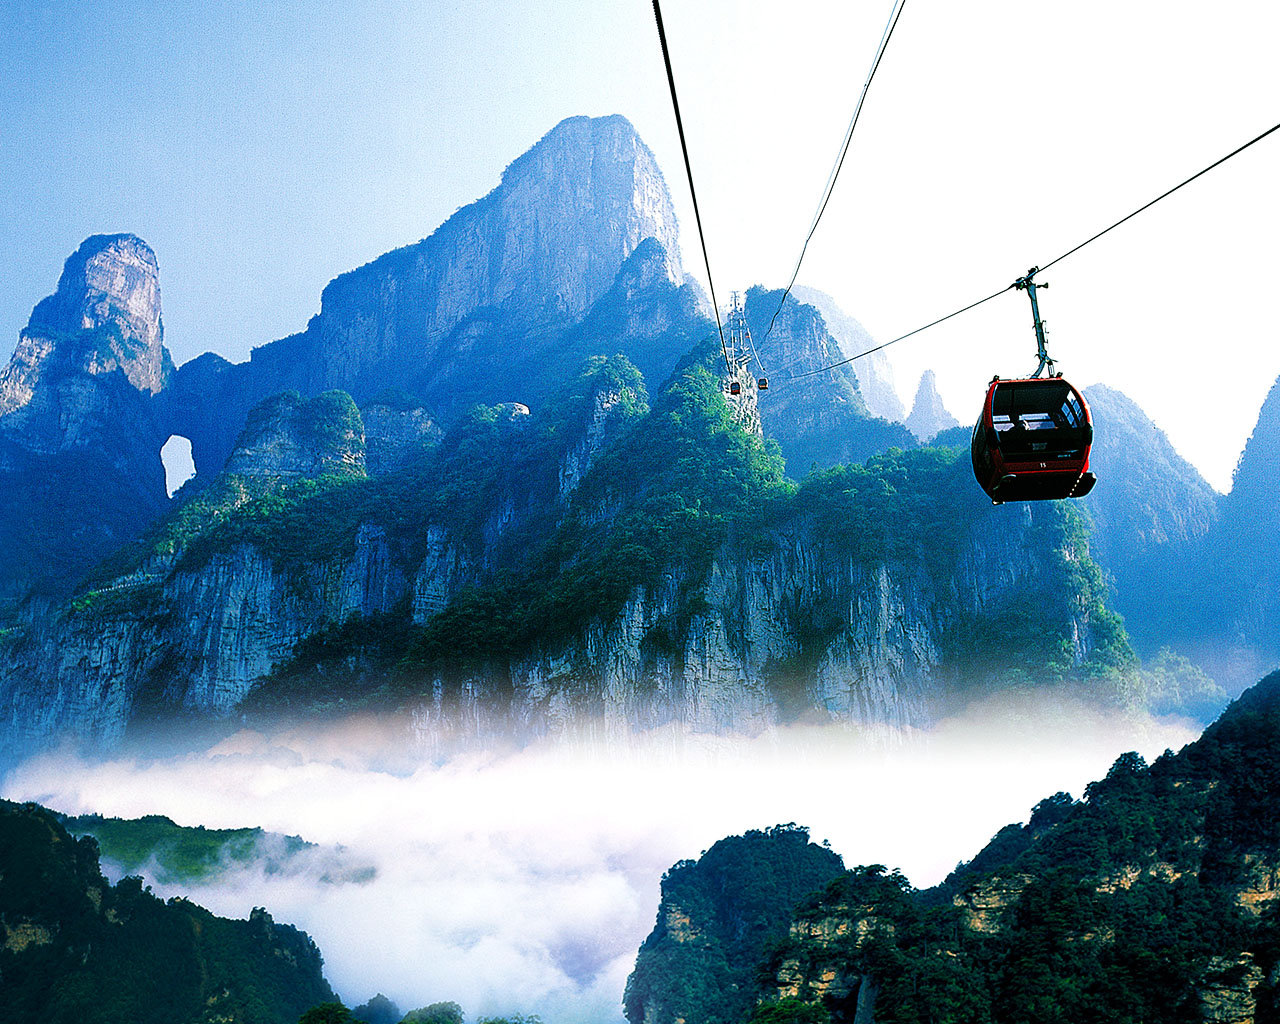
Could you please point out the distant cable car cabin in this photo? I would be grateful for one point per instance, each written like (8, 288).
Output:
(735, 388)
(1031, 442)
(1032, 439)
(762, 384)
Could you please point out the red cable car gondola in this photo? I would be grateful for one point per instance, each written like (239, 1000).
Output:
(1032, 439)
(1031, 442)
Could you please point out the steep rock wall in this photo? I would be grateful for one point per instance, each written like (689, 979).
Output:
(104, 316)
(80, 468)
(873, 369)
(798, 631)
(817, 418)
(782, 628)
(200, 641)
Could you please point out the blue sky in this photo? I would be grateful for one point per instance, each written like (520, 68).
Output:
(263, 149)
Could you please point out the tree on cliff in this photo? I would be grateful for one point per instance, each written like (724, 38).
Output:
(436, 1013)
(327, 1013)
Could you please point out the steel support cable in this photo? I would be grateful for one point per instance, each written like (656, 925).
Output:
(675, 103)
(754, 352)
(1157, 199)
(1059, 259)
(902, 337)
(894, 14)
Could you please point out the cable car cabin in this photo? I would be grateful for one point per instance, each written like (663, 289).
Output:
(735, 388)
(763, 384)
(1031, 442)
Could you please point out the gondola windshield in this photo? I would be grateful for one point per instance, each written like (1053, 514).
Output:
(1045, 419)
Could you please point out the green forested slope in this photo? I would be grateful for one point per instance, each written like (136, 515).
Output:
(1154, 898)
(77, 949)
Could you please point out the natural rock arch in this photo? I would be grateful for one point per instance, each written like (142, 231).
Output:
(179, 466)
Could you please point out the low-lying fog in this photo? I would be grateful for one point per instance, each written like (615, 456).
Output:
(524, 881)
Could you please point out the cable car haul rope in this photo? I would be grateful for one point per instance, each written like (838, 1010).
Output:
(1069, 252)
(693, 192)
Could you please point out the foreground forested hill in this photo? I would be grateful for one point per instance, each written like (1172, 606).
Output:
(78, 949)
(1156, 897)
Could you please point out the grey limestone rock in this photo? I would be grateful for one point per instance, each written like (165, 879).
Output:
(874, 372)
(928, 415)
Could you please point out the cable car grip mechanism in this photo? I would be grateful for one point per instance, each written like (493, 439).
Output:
(1029, 285)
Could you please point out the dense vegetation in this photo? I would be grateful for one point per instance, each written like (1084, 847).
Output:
(1151, 899)
(670, 486)
(80, 950)
(660, 500)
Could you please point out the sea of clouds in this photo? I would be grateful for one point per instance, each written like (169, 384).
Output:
(523, 880)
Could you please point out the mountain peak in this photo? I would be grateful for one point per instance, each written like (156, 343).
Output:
(490, 284)
(1153, 495)
(1254, 476)
(105, 315)
(873, 369)
(604, 180)
(928, 414)
(109, 277)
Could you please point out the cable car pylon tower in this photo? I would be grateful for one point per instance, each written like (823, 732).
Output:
(740, 350)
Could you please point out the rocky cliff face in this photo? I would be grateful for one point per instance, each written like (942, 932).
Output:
(397, 430)
(501, 303)
(874, 371)
(104, 317)
(79, 444)
(804, 616)
(89, 355)
(745, 664)
(573, 253)
(792, 624)
(541, 248)
(820, 419)
(289, 436)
